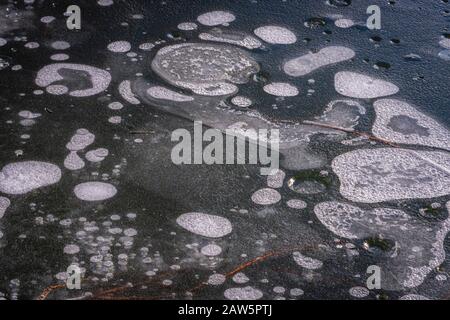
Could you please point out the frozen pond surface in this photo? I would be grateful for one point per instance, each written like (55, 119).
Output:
(86, 177)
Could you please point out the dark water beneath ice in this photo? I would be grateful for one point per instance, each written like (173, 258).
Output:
(31, 249)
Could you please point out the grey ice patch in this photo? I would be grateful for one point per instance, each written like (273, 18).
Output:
(343, 114)
(312, 61)
(413, 297)
(4, 204)
(241, 101)
(240, 278)
(71, 249)
(206, 69)
(281, 89)
(211, 250)
(206, 225)
(266, 196)
(399, 122)
(359, 292)
(94, 191)
(215, 18)
(445, 43)
(344, 23)
(306, 262)
(99, 78)
(232, 37)
(356, 85)
(386, 174)
(275, 35)
(216, 279)
(416, 248)
(24, 177)
(245, 293)
(97, 155)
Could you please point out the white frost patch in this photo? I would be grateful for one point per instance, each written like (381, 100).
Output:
(281, 89)
(94, 191)
(211, 250)
(266, 196)
(206, 225)
(215, 18)
(119, 46)
(356, 85)
(344, 23)
(99, 78)
(97, 155)
(240, 278)
(60, 45)
(385, 174)
(359, 292)
(413, 297)
(276, 178)
(59, 57)
(159, 92)
(73, 161)
(216, 279)
(275, 35)
(105, 3)
(23, 177)
(312, 61)
(307, 262)
(80, 140)
(4, 204)
(126, 92)
(241, 101)
(187, 26)
(246, 293)
(445, 43)
(399, 122)
(71, 249)
(296, 204)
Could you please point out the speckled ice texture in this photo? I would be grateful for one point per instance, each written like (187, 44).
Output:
(206, 225)
(386, 174)
(356, 85)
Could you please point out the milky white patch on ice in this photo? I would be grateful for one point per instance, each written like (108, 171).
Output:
(159, 92)
(60, 45)
(276, 178)
(281, 89)
(206, 69)
(240, 278)
(97, 155)
(105, 3)
(356, 85)
(266, 196)
(119, 46)
(275, 35)
(310, 62)
(415, 251)
(206, 225)
(245, 293)
(241, 101)
(307, 262)
(399, 122)
(187, 26)
(71, 249)
(211, 250)
(23, 177)
(126, 92)
(99, 78)
(445, 43)
(73, 161)
(216, 279)
(344, 23)
(59, 57)
(94, 191)
(359, 292)
(237, 38)
(386, 174)
(47, 19)
(115, 105)
(26, 114)
(413, 297)
(343, 114)
(80, 140)
(57, 89)
(296, 204)
(215, 18)
(115, 119)
(3, 42)
(4, 204)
